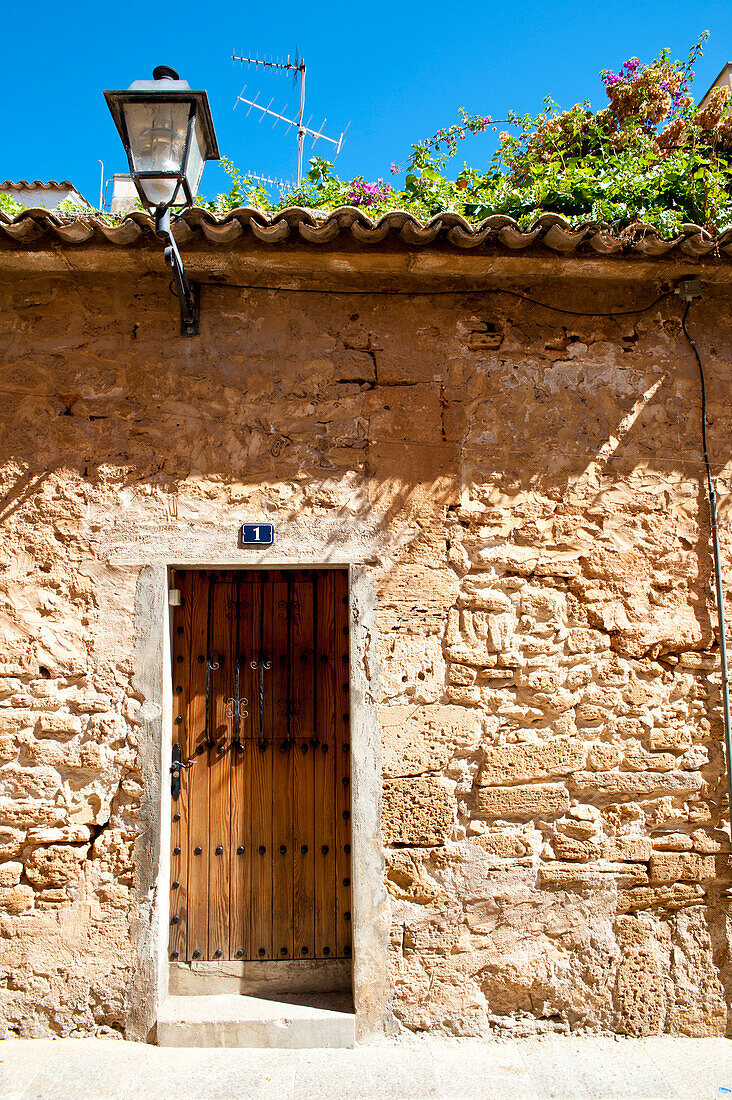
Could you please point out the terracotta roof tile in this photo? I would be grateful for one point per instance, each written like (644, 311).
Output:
(38, 185)
(551, 232)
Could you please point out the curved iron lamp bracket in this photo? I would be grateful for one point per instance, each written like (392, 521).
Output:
(188, 294)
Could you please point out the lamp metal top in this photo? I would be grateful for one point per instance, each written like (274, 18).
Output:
(166, 85)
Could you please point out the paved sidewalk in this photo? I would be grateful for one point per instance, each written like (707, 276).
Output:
(467, 1069)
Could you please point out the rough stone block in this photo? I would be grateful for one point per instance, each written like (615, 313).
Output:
(505, 845)
(462, 675)
(480, 594)
(635, 783)
(543, 605)
(412, 667)
(673, 842)
(115, 895)
(568, 847)
(537, 800)
(584, 640)
(635, 848)
(59, 754)
(679, 866)
(92, 756)
(408, 880)
(16, 899)
(11, 842)
(9, 744)
(407, 414)
(670, 737)
(587, 714)
(25, 813)
(52, 899)
(518, 763)
(69, 834)
(420, 362)
(417, 811)
(10, 873)
(354, 366)
(430, 471)
(660, 897)
(640, 693)
(475, 637)
(568, 874)
(640, 991)
(723, 866)
(604, 756)
(424, 739)
(415, 599)
(42, 782)
(637, 759)
(57, 725)
(56, 864)
(709, 843)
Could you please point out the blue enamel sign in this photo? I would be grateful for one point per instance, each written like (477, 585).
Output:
(257, 534)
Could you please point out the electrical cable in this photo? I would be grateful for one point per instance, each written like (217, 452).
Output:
(433, 293)
(712, 495)
(579, 313)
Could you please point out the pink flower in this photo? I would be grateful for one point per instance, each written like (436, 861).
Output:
(368, 194)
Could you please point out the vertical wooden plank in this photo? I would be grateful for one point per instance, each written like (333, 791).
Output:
(344, 926)
(261, 798)
(325, 938)
(222, 727)
(252, 817)
(181, 654)
(240, 924)
(198, 776)
(282, 774)
(303, 731)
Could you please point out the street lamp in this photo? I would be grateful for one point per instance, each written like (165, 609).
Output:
(168, 134)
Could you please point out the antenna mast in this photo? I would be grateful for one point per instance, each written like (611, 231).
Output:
(296, 67)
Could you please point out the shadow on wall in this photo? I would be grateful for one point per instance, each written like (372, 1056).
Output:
(380, 410)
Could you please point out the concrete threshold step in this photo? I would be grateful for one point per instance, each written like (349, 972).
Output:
(231, 1020)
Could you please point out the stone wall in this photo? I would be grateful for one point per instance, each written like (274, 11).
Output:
(527, 491)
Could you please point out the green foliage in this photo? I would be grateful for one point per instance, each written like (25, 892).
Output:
(243, 192)
(68, 206)
(10, 205)
(320, 189)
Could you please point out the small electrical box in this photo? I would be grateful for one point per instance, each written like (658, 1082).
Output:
(689, 288)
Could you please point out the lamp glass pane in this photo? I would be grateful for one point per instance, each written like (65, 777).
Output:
(157, 133)
(196, 157)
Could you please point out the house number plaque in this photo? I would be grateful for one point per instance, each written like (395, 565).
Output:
(257, 534)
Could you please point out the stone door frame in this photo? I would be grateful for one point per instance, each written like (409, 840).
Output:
(153, 682)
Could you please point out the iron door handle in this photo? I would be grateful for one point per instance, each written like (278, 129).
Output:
(175, 769)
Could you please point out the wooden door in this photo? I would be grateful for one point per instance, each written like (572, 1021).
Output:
(261, 807)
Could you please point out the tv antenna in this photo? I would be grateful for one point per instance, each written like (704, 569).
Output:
(268, 181)
(303, 128)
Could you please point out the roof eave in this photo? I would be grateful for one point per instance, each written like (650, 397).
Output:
(346, 246)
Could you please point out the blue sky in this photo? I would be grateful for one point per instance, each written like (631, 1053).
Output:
(397, 72)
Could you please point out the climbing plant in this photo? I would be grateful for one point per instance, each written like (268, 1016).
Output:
(649, 157)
